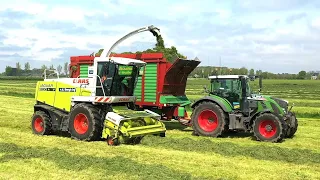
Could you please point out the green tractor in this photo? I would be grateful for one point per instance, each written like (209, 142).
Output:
(231, 106)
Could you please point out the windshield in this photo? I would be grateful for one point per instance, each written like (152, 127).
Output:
(230, 89)
(225, 85)
(227, 88)
(116, 80)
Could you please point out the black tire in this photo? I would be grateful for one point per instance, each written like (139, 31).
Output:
(111, 141)
(262, 125)
(41, 123)
(205, 127)
(82, 114)
(292, 126)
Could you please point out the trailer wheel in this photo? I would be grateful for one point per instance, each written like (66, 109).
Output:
(208, 119)
(293, 126)
(41, 123)
(85, 122)
(268, 127)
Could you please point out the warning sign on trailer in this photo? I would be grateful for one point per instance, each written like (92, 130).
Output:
(67, 89)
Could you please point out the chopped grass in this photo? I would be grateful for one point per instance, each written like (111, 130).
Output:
(179, 155)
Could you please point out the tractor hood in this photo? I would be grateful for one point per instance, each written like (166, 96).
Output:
(176, 76)
(281, 102)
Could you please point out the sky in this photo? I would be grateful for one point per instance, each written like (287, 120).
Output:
(275, 36)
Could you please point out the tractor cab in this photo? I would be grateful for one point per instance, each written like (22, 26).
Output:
(234, 88)
(117, 77)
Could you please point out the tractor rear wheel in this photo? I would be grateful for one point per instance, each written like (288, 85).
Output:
(208, 119)
(293, 125)
(268, 127)
(86, 122)
(41, 123)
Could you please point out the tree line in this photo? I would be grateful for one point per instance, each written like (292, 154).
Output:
(171, 54)
(27, 71)
(199, 72)
(205, 71)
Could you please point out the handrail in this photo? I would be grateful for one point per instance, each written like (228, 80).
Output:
(104, 94)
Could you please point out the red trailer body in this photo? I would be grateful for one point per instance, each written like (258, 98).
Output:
(161, 87)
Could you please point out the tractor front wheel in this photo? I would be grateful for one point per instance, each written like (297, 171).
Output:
(268, 127)
(208, 119)
(292, 126)
(85, 122)
(41, 123)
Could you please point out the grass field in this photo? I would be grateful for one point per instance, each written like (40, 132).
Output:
(177, 156)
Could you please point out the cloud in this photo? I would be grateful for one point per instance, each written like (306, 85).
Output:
(11, 19)
(276, 36)
(15, 15)
(295, 17)
(11, 48)
(271, 5)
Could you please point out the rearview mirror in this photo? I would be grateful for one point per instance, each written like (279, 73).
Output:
(205, 87)
(260, 83)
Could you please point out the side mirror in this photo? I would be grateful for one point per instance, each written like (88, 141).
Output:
(205, 88)
(260, 84)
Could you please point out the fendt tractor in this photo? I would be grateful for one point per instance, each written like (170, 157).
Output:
(232, 106)
(83, 106)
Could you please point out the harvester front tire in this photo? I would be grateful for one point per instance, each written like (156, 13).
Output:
(113, 141)
(270, 128)
(41, 123)
(292, 128)
(85, 122)
(208, 119)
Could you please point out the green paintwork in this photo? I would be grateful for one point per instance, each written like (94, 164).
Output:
(150, 83)
(84, 70)
(170, 99)
(225, 102)
(268, 103)
(137, 89)
(181, 111)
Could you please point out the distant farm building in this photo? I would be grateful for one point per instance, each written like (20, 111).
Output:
(315, 76)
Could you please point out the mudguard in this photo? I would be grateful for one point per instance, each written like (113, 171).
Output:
(223, 103)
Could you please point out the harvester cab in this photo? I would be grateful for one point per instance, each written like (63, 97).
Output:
(84, 106)
(231, 105)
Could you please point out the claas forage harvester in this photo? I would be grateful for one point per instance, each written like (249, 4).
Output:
(83, 106)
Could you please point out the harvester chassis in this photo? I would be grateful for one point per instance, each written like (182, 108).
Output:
(102, 127)
(59, 120)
